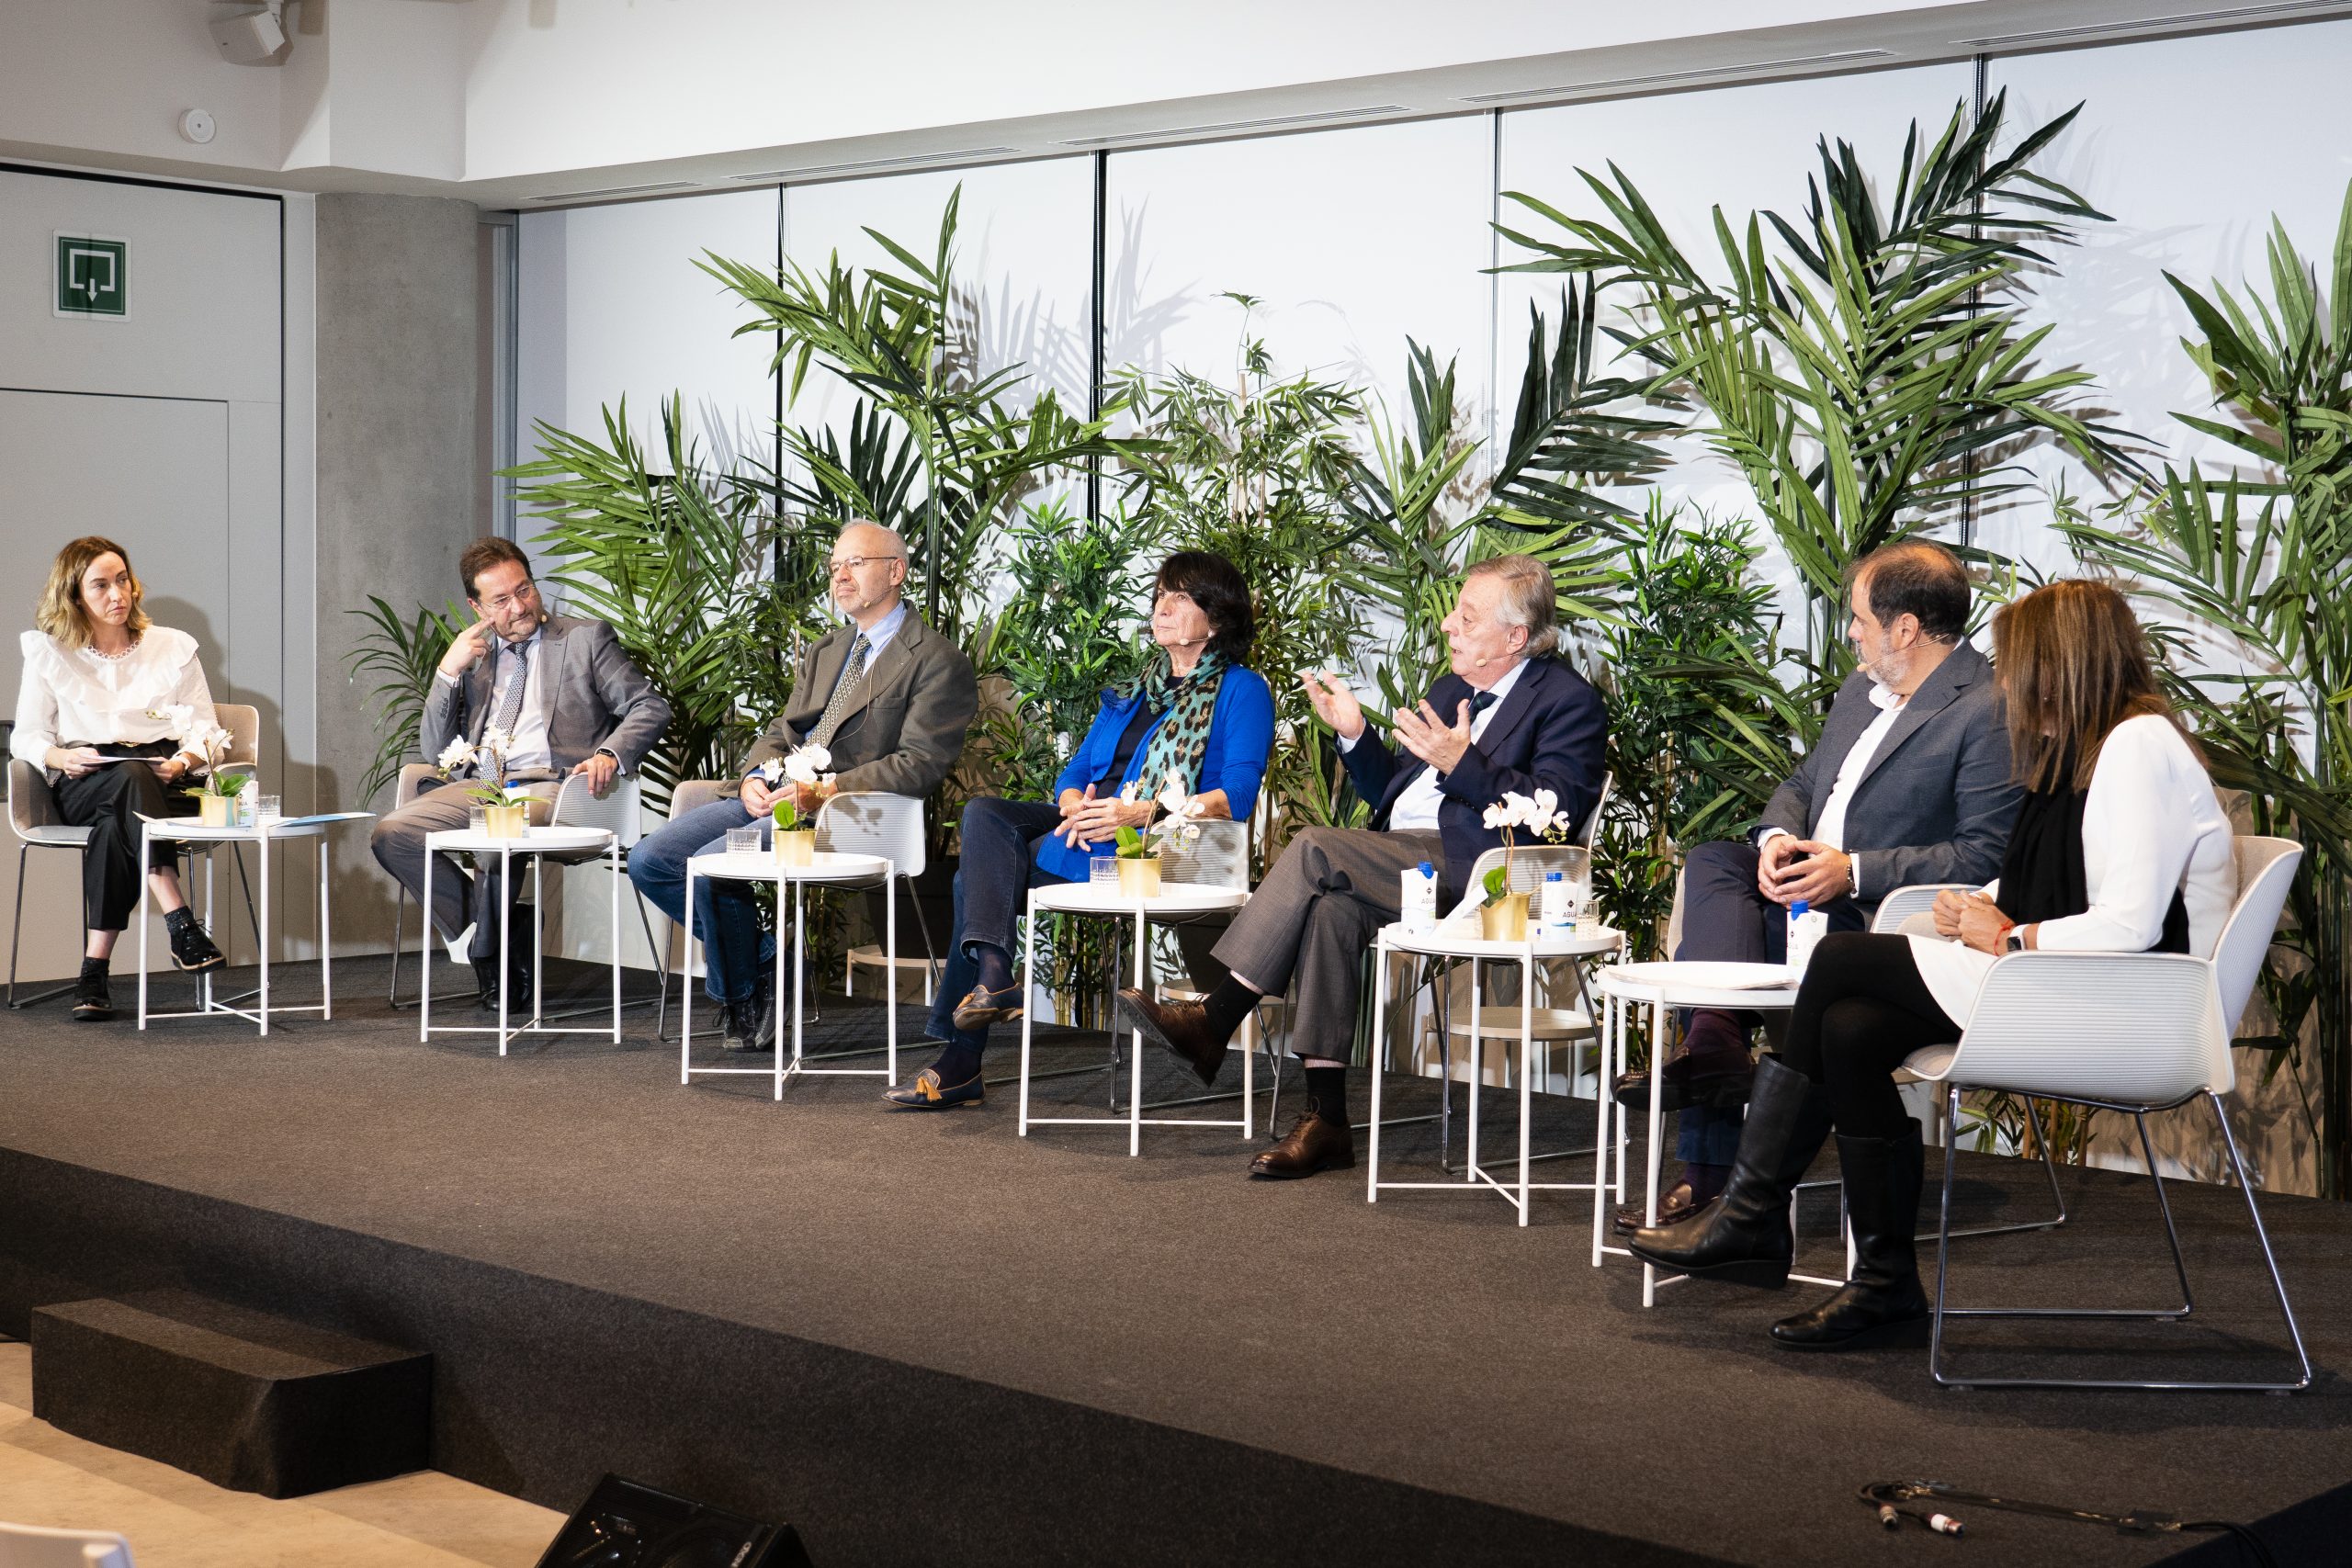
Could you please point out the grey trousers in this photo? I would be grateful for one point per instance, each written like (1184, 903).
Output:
(1312, 918)
(398, 845)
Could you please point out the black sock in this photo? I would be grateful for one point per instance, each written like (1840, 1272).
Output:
(1228, 1005)
(995, 966)
(959, 1061)
(1327, 1091)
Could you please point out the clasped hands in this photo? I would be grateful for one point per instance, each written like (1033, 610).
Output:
(1088, 818)
(1788, 868)
(1420, 731)
(760, 798)
(1973, 919)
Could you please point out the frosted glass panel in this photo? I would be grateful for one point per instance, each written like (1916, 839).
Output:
(1353, 239)
(2166, 144)
(612, 305)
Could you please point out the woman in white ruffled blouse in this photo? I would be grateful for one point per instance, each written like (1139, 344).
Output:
(2119, 846)
(98, 674)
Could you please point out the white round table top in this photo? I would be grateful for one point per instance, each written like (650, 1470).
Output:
(275, 827)
(761, 865)
(1761, 986)
(1105, 899)
(535, 841)
(1460, 939)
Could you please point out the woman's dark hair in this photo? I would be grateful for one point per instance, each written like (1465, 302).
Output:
(1215, 584)
(2073, 664)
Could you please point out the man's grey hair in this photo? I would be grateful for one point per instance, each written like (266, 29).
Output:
(1530, 599)
(898, 545)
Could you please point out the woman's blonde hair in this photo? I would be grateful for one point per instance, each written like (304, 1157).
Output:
(62, 615)
(2073, 664)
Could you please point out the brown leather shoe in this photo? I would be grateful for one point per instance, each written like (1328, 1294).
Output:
(1314, 1142)
(1183, 1027)
(1677, 1204)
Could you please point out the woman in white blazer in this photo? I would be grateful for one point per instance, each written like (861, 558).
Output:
(97, 674)
(2119, 847)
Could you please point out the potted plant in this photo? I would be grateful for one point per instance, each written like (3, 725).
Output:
(505, 807)
(796, 831)
(216, 794)
(1138, 853)
(1502, 917)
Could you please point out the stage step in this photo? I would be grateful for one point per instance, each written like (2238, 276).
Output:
(244, 1400)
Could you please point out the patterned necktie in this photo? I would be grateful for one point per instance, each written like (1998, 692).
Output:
(510, 707)
(1480, 702)
(835, 705)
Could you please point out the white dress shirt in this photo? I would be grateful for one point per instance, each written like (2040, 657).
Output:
(2152, 825)
(530, 752)
(1417, 808)
(1832, 827)
(73, 696)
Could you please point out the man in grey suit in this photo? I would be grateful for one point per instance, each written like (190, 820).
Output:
(573, 703)
(1909, 782)
(887, 696)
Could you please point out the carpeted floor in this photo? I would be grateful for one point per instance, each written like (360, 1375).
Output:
(1426, 1342)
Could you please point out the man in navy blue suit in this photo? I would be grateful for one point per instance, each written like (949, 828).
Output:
(1509, 719)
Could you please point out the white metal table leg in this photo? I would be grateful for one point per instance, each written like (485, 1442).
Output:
(799, 980)
(326, 938)
(261, 933)
(1379, 1041)
(424, 958)
(1655, 1154)
(615, 858)
(506, 960)
(890, 967)
(1028, 933)
(686, 986)
(1607, 1041)
(1526, 1070)
(1135, 1046)
(146, 858)
(1477, 1055)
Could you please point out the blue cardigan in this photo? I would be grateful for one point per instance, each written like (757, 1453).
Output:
(1241, 731)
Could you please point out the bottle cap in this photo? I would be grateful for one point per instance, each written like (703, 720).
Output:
(1799, 907)
(1551, 876)
(1426, 871)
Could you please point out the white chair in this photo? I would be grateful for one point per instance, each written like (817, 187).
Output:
(870, 826)
(31, 1546)
(32, 816)
(2129, 1032)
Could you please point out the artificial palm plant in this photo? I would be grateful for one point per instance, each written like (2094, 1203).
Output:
(2257, 561)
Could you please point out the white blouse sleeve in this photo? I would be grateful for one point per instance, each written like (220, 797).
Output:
(36, 729)
(2141, 794)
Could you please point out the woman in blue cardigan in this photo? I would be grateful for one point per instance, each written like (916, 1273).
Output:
(1195, 709)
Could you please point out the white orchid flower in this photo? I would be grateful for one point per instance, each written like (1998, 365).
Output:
(1131, 792)
(1547, 801)
(800, 771)
(1174, 798)
(1497, 817)
(819, 757)
(771, 770)
(456, 754)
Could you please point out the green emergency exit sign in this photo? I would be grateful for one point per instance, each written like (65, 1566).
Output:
(92, 276)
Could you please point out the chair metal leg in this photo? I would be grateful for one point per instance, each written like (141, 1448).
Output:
(18, 935)
(2262, 1236)
(2050, 1168)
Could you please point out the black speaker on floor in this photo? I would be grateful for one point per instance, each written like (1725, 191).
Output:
(626, 1524)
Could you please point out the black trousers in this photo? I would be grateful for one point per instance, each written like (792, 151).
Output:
(1861, 1009)
(109, 801)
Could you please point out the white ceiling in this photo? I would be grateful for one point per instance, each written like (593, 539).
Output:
(528, 103)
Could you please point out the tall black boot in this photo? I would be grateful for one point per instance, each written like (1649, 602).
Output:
(1882, 1303)
(1742, 1236)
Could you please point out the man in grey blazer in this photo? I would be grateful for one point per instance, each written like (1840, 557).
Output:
(572, 702)
(1909, 782)
(887, 696)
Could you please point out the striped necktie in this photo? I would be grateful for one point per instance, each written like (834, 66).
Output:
(853, 672)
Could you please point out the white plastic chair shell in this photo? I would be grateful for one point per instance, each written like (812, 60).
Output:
(34, 1545)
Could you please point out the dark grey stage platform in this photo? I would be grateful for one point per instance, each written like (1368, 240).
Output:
(923, 1339)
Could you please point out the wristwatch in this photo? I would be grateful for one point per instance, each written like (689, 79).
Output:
(2012, 939)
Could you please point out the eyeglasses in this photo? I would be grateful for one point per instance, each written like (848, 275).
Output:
(525, 594)
(840, 564)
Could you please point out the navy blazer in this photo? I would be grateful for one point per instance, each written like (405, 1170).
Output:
(1550, 732)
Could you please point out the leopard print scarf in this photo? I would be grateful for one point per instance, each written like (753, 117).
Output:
(1183, 738)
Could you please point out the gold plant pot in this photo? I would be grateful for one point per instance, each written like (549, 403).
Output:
(795, 846)
(1505, 920)
(506, 821)
(216, 810)
(1140, 877)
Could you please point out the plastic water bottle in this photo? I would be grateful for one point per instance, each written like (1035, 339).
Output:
(1418, 901)
(1807, 926)
(1559, 906)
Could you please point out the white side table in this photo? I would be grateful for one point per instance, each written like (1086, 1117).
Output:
(1741, 987)
(1174, 899)
(264, 834)
(1460, 939)
(535, 845)
(761, 865)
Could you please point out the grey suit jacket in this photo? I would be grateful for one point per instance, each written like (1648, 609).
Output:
(1937, 801)
(905, 720)
(593, 696)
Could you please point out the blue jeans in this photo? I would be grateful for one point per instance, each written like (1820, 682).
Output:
(992, 880)
(736, 952)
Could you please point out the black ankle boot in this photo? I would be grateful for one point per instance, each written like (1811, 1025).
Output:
(192, 949)
(1742, 1236)
(1882, 1303)
(91, 1002)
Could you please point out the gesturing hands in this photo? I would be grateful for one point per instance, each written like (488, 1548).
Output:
(1431, 739)
(466, 650)
(1334, 703)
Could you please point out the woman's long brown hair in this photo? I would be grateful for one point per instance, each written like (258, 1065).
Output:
(2073, 664)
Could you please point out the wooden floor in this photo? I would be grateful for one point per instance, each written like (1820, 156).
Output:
(174, 1520)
